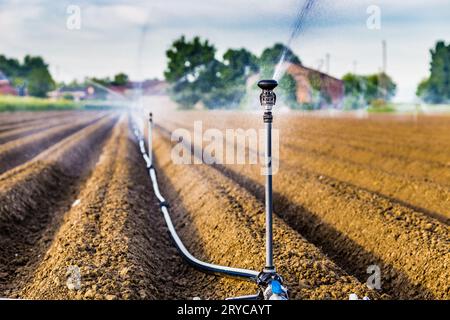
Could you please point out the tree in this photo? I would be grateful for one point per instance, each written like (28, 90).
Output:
(270, 57)
(32, 73)
(188, 58)
(230, 77)
(190, 70)
(39, 82)
(11, 67)
(101, 81)
(239, 64)
(287, 85)
(363, 90)
(197, 76)
(422, 90)
(379, 86)
(436, 88)
(120, 79)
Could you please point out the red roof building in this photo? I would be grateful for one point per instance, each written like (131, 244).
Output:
(310, 80)
(5, 87)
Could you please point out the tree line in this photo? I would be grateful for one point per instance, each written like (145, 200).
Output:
(30, 76)
(197, 75)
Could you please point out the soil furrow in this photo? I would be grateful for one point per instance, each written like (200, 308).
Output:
(230, 224)
(19, 151)
(34, 196)
(422, 195)
(28, 129)
(117, 209)
(357, 229)
(19, 119)
(351, 236)
(430, 198)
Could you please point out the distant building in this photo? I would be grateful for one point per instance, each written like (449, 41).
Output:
(5, 86)
(152, 87)
(309, 80)
(72, 93)
(310, 83)
(110, 92)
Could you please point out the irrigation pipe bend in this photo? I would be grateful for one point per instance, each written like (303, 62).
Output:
(268, 287)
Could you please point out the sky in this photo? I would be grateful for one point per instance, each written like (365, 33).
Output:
(132, 36)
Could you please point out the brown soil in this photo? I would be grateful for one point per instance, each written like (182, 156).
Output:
(21, 150)
(15, 120)
(229, 227)
(38, 126)
(112, 236)
(350, 193)
(34, 195)
(334, 203)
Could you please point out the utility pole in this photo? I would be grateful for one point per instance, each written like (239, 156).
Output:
(383, 84)
(327, 63)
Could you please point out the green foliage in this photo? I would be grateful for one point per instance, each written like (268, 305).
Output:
(102, 81)
(197, 76)
(229, 87)
(238, 64)
(287, 90)
(287, 86)
(12, 103)
(39, 82)
(362, 90)
(271, 56)
(436, 89)
(68, 96)
(380, 106)
(192, 69)
(187, 59)
(120, 79)
(422, 89)
(11, 67)
(32, 73)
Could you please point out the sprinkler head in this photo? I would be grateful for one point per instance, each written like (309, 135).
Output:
(267, 97)
(267, 84)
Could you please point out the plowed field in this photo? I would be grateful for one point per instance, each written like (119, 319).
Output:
(79, 219)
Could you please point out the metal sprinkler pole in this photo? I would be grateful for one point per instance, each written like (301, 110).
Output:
(268, 163)
(150, 138)
(268, 99)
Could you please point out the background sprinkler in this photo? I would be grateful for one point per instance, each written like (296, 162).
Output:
(269, 280)
(150, 138)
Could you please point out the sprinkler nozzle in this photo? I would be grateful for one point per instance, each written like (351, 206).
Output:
(267, 84)
(267, 97)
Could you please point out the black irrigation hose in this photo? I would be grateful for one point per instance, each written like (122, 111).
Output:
(246, 274)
